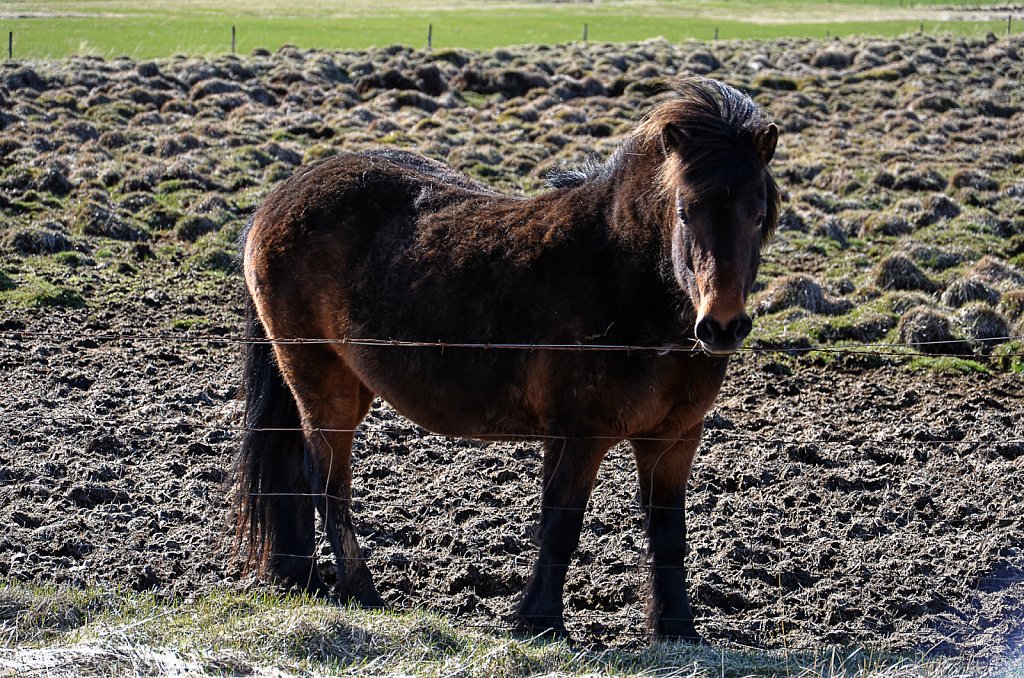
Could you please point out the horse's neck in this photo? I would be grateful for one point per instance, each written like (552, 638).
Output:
(639, 210)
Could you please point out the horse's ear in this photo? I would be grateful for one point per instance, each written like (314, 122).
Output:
(672, 137)
(765, 142)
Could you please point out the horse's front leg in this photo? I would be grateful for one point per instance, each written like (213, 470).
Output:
(570, 467)
(663, 468)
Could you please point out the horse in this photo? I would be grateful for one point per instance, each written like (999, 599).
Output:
(385, 273)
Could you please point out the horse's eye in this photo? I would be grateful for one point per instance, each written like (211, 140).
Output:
(759, 221)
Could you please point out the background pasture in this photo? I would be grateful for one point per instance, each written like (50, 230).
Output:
(49, 29)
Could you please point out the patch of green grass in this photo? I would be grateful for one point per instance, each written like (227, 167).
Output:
(72, 259)
(946, 364)
(112, 632)
(36, 292)
(189, 323)
(1010, 356)
(49, 29)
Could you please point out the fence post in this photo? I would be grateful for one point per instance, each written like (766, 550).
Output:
(10, 45)
(586, 30)
(1009, 23)
(430, 36)
(716, 32)
(232, 39)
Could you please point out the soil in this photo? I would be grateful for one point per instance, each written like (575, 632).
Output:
(830, 504)
(836, 500)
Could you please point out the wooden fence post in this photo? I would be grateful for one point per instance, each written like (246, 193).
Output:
(232, 39)
(10, 45)
(430, 36)
(586, 30)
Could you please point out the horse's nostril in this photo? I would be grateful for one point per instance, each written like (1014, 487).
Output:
(706, 330)
(740, 327)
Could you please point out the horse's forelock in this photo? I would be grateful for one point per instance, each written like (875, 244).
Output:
(713, 121)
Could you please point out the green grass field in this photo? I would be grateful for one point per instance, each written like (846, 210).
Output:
(48, 29)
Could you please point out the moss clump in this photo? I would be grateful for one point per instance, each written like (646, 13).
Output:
(1011, 305)
(800, 291)
(924, 180)
(901, 302)
(191, 226)
(73, 259)
(897, 272)
(886, 224)
(774, 81)
(967, 178)
(998, 273)
(967, 290)
(46, 239)
(928, 331)
(93, 219)
(983, 323)
(933, 257)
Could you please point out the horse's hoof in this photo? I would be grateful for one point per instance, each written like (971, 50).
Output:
(548, 630)
(366, 598)
(313, 586)
(692, 637)
(374, 602)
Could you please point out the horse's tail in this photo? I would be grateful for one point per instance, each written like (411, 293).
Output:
(270, 488)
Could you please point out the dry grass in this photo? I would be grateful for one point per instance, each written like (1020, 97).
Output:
(263, 634)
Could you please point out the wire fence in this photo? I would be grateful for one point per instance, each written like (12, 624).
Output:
(873, 349)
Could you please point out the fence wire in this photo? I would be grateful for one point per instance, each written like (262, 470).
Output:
(693, 347)
(711, 431)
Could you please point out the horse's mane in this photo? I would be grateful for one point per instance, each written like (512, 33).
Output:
(717, 127)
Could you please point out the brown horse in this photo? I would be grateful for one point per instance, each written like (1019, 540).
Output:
(657, 247)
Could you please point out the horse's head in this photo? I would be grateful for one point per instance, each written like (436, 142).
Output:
(722, 200)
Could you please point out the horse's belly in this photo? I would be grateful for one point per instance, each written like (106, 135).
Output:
(498, 393)
(452, 395)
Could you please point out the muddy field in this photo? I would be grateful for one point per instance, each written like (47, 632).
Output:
(837, 500)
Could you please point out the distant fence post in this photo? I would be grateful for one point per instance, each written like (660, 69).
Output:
(716, 32)
(430, 36)
(10, 45)
(586, 31)
(232, 39)
(1009, 23)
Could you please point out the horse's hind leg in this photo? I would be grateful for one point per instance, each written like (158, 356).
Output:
(332, 401)
(570, 467)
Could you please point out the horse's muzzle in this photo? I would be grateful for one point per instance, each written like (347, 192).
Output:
(718, 339)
